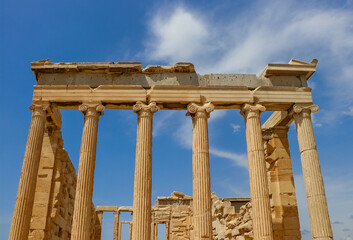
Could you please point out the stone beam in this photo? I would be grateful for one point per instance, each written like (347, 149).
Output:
(54, 117)
(274, 98)
(71, 96)
(172, 97)
(294, 74)
(114, 209)
(278, 118)
(107, 208)
(125, 209)
(294, 68)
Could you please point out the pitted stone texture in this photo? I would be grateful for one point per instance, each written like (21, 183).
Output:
(314, 185)
(84, 188)
(202, 218)
(285, 217)
(26, 188)
(259, 190)
(55, 193)
(143, 171)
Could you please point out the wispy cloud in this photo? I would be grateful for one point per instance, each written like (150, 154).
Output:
(315, 121)
(349, 112)
(235, 127)
(238, 159)
(177, 35)
(159, 121)
(217, 114)
(184, 134)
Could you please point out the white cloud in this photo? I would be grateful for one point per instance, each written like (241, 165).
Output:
(235, 127)
(160, 120)
(184, 134)
(216, 115)
(315, 122)
(238, 159)
(177, 36)
(349, 112)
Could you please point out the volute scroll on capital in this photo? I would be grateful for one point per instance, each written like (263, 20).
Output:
(143, 109)
(298, 108)
(92, 109)
(252, 108)
(200, 110)
(39, 108)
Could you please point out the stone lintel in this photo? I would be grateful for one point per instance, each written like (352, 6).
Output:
(293, 68)
(107, 208)
(125, 209)
(278, 118)
(125, 222)
(294, 74)
(172, 97)
(54, 117)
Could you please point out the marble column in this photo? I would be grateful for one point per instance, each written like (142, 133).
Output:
(98, 233)
(202, 204)
(25, 194)
(143, 171)
(84, 186)
(130, 231)
(116, 226)
(259, 191)
(314, 184)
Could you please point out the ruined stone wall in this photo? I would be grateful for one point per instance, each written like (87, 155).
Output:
(176, 212)
(228, 223)
(55, 192)
(285, 217)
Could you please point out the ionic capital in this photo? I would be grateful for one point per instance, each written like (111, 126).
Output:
(200, 110)
(298, 108)
(252, 110)
(145, 110)
(39, 109)
(92, 109)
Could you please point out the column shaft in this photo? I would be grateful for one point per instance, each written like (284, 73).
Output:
(26, 188)
(99, 230)
(116, 226)
(143, 172)
(202, 203)
(314, 184)
(84, 187)
(130, 231)
(259, 190)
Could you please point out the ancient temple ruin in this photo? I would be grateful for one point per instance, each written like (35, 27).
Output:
(53, 203)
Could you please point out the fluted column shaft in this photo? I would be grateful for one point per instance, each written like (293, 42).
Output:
(143, 172)
(259, 190)
(116, 229)
(99, 229)
(26, 187)
(84, 186)
(202, 205)
(314, 184)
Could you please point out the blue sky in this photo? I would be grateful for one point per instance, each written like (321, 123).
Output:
(218, 37)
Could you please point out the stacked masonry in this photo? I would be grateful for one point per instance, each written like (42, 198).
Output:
(55, 192)
(228, 223)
